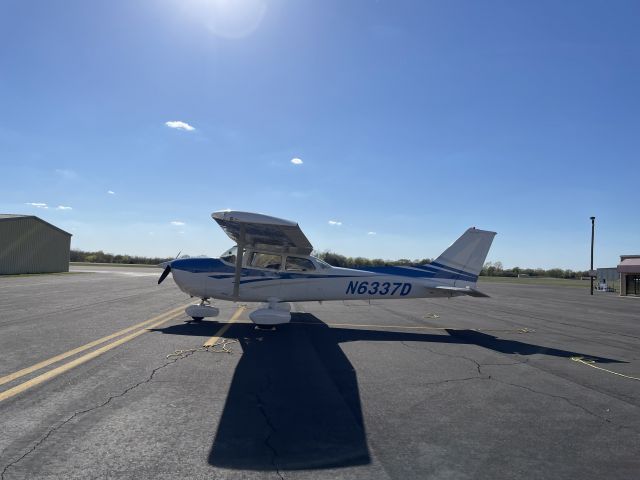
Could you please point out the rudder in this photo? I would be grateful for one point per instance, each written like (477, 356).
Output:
(468, 253)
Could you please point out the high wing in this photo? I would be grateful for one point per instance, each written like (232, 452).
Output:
(262, 232)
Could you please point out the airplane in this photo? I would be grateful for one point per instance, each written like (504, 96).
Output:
(272, 263)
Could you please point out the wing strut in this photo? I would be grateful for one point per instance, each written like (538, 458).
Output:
(239, 255)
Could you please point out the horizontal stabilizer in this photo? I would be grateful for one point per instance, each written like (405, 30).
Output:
(472, 292)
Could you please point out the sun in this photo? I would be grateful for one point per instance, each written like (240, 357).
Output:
(230, 18)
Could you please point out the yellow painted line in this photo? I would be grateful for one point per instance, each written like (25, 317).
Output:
(213, 340)
(62, 356)
(80, 360)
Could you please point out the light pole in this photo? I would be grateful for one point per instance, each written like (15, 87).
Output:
(593, 229)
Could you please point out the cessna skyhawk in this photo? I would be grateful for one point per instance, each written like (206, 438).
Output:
(272, 263)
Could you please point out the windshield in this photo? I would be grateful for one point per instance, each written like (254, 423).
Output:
(322, 263)
(229, 255)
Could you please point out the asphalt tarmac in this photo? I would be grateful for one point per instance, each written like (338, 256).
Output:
(102, 378)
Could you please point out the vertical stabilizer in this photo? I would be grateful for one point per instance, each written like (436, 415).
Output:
(468, 253)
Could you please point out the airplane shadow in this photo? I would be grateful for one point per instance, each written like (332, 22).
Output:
(294, 401)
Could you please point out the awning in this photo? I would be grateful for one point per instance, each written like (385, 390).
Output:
(629, 265)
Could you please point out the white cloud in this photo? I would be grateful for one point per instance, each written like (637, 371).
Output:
(177, 124)
(111, 192)
(335, 223)
(297, 161)
(46, 207)
(178, 223)
(371, 233)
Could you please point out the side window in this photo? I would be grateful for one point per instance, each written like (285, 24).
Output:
(266, 260)
(229, 259)
(299, 264)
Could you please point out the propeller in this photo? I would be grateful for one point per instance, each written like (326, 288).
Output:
(166, 272)
(167, 269)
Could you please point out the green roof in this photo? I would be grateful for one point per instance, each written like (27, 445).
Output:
(12, 216)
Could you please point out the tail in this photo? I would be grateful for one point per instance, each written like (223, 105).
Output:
(466, 256)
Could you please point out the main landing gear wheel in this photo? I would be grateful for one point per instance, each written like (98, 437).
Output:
(275, 313)
(200, 311)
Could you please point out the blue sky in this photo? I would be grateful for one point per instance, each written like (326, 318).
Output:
(413, 120)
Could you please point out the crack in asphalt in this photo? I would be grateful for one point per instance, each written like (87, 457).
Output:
(483, 376)
(480, 376)
(469, 359)
(614, 395)
(570, 402)
(267, 440)
(82, 412)
(440, 382)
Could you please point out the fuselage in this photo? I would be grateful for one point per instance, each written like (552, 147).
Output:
(306, 278)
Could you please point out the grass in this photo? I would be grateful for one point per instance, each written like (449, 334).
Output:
(555, 282)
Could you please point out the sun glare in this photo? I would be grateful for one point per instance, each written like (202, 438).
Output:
(230, 18)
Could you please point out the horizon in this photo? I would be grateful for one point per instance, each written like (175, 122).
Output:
(384, 129)
(314, 253)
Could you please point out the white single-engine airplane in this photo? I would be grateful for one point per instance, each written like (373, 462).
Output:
(271, 263)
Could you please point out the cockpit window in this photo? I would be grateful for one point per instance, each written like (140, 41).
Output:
(266, 260)
(229, 255)
(299, 264)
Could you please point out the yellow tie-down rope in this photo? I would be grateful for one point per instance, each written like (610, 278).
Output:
(591, 363)
(221, 346)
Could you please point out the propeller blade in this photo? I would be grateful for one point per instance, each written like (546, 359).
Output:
(166, 272)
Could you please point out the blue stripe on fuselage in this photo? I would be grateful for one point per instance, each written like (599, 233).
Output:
(440, 265)
(420, 273)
